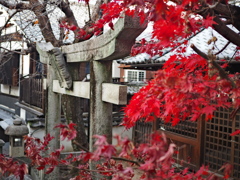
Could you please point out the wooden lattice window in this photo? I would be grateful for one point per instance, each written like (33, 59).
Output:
(220, 147)
(142, 130)
(185, 128)
(9, 68)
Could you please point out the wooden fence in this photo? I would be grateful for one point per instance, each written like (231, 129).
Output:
(201, 142)
(32, 92)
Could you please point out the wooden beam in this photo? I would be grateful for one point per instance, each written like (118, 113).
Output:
(111, 93)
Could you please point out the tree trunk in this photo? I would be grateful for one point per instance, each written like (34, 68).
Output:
(44, 23)
(73, 113)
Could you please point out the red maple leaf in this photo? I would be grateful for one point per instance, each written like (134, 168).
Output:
(208, 22)
(67, 131)
(235, 133)
(49, 170)
(208, 110)
(111, 25)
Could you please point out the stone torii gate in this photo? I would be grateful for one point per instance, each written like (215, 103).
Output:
(100, 52)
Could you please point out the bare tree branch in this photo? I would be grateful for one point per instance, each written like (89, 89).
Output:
(226, 32)
(113, 157)
(65, 7)
(97, 11)
(17, 52)
(19, 6)
(226, 45)
(44, 23)
(231, 11)
(9, 18)
(220, 27)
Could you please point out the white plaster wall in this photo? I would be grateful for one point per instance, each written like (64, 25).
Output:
(40, 133)
(4, 89)
(6, 45)
(120, 130)
(16, 45)
(24, 64)
(23, 113)
(2, 19)
(115, 69)
(13, 45)
(11, 29)
(14, 91)
(36, 132)
(10, 90)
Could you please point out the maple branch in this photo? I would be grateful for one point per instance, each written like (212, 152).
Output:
(65, 7)
(113, 157)
(234, 113)
(223, 48)
(9, 18)
(89, 12)
(220, 26)
(221, 71)
(218, 170)
(228, 10)
(126, 160)
(81, 147)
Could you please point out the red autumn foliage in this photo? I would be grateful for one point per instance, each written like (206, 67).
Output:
(182, 90)
(9, 166)
(153, 160)
(67, 131)
(235, 133)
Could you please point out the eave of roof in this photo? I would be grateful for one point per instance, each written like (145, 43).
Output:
(200, 40)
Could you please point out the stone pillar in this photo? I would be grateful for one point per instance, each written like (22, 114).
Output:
(53, 118)
(100, 112)
(1, 146)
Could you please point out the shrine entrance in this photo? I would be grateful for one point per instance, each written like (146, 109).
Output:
(99, 52)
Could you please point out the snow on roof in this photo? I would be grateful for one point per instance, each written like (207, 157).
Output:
(200, 40)
(5, 119)
(25, 20)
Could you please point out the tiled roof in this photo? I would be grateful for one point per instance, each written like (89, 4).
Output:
(6, 119)
(200, 40)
